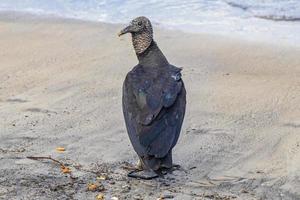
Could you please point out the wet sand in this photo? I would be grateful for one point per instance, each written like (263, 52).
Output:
(61, 86)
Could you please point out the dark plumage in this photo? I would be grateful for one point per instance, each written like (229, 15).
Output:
(154, 100)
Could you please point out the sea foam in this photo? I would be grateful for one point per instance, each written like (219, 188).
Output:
(275, 20)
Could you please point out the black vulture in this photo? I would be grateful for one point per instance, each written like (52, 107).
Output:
(154, 100)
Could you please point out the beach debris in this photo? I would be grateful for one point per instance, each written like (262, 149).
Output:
(219, 197)
(12, 150)
(63, 167)
(244, 191)
(137, 197)
(100, 196)
(203, 183)
(128, 166)
(45, 158)
(167, 196)
(93, 187)
(103, 177)
(126, 188)
(65, 170)
(60, 149)
(112, 182)
(114, 198)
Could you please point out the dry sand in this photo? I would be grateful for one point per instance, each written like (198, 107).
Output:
(61, 86)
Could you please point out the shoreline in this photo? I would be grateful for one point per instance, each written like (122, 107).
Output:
(61, 83)
(260, 39)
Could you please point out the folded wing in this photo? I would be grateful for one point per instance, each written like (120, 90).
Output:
(154, 108)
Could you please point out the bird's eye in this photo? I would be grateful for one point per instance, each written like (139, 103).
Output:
(140, 23)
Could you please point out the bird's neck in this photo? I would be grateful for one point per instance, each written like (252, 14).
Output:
(141, 41)
(152, 56)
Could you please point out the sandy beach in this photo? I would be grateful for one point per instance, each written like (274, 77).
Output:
(61, 84)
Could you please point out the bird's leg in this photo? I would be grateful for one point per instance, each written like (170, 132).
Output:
(140, 164)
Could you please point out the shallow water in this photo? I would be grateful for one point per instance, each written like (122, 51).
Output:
(273, 20)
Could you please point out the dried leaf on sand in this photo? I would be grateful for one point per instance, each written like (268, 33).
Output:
(100, 196)
(60, 149)
(65, 170)
(95, 187)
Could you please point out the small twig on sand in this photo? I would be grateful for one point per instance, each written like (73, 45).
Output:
(45, 158)
(63, 167)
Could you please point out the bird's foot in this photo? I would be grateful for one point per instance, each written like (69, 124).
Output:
(171, 168)
(168, 170)
(143, 174)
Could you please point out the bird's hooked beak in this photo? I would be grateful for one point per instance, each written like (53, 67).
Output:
(127, 29)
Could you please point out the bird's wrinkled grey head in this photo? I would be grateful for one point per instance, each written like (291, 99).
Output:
(142, 33)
